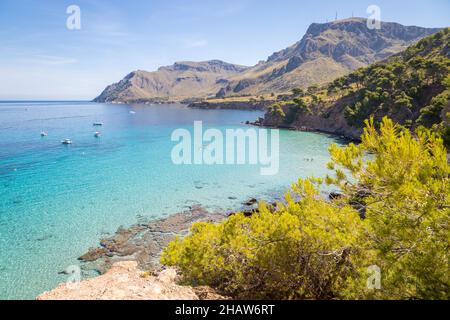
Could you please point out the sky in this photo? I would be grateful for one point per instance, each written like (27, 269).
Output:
(41, 59)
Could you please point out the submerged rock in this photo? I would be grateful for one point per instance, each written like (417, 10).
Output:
(93, 254)
(143, 242)
(250, 202)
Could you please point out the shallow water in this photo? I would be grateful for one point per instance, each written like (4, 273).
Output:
(56, 201)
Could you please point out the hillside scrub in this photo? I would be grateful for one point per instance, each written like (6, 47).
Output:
(411, 88)
(411, 85)
(393, 213)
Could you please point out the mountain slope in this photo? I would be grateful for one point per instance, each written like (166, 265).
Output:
(412, 88)
(326, 51)
(180, 81)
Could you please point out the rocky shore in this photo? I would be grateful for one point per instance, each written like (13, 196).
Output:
(125, 281)
(143, 242)
(332, 122)
(344, 135)
(127, 263)
(232, 105)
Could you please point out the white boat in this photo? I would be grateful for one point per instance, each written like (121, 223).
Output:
(98, 124)
(66, 141)
(132, 112)
(44, 134)
(97, 134)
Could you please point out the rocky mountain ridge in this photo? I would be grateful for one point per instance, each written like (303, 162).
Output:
(326, 51)
(182, 80)
(412, 88)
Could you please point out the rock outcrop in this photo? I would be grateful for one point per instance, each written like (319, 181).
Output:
(334, 122)
(124, 281)
(232, 105)
(144, 241)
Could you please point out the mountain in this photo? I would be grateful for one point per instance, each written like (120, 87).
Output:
(182, 80)
(327, 51)
(412, 88)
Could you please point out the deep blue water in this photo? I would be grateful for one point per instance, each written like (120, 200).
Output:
(56, 201)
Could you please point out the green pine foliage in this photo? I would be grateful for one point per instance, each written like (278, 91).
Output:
(404, 195)
(408, 86)
(394, 213)
(412, 88)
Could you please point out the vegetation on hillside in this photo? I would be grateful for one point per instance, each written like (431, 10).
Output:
(393, 213)
(393, 210)
(413, 85)
(326, 51)
(412, 88)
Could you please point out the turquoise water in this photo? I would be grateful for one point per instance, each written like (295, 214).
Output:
(56, 201)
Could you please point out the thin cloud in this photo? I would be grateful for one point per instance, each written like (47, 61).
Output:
(187, 41)
(218, 9)
(193, 43)
(47, 60)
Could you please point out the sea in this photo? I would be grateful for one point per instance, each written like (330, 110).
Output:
(57, 201)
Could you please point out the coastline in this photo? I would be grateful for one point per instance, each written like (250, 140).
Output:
(347, 138)
(231, 105)
(143, 242)
(133, 252)
(124, 281)
(335, 126)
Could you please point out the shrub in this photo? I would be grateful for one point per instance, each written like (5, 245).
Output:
(406, 202)
(394, 212)
(303, 250)
(277, 110)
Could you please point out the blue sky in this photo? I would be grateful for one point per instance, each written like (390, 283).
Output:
(41, 59)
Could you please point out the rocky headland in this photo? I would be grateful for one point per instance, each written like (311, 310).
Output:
(232, 105)
(333, 123)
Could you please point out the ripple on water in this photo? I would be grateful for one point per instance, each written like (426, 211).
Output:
(65, 199)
